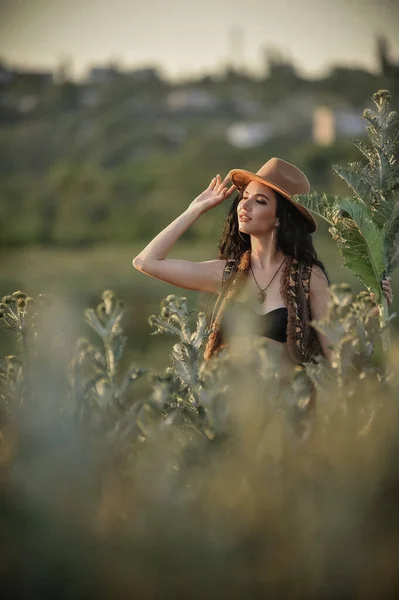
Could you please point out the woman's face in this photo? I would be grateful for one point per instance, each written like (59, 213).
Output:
(256, 211)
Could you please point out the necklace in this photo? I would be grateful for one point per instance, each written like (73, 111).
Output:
(262, 293)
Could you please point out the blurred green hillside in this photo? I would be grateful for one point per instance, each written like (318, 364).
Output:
(115, 157)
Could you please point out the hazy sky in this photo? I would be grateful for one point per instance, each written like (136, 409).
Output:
(183, 36)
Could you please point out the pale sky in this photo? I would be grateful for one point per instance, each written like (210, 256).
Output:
(184, 37)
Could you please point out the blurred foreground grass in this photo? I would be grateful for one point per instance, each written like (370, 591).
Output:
(215, 483)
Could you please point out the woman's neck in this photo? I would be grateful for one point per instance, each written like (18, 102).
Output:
(264, 253)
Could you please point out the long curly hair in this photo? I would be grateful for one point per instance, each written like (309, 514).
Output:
(293, 238)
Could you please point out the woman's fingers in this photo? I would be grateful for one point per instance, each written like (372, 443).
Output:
(212, 184)
(220, 187)
(224, 182)
(387, 290)
(226, 192)
(388, 296)
(386, 286)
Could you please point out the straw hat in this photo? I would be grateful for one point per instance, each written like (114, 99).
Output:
(281, 176)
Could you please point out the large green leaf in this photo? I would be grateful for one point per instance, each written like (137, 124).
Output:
(323, 205)
(361, 243)
(356, 178)
(353, 249)
(373, 236)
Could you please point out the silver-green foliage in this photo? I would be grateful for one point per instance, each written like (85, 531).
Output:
(192, 394)
(366, 226)
(101, 394)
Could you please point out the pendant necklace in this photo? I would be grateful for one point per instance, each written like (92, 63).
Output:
(262, 293)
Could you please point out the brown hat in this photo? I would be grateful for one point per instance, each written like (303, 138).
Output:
(281, 176)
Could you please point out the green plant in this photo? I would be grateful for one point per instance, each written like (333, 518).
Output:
(366, 226)
(101, 395)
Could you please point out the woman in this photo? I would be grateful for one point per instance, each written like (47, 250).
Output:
(266, 262)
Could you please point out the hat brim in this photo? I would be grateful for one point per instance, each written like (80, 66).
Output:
(241, 178)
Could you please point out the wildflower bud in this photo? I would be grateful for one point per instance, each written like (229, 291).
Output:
(108, 295)
(109, 299)
(152, 320)
(18, 295)
(101, 310)
(21, 303)
(382, 96)
(11, 358)
(7, 300)
(165, 313)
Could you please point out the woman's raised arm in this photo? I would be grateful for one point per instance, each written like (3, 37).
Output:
(201, 276)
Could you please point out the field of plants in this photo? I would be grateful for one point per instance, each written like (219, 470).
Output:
(208, 479)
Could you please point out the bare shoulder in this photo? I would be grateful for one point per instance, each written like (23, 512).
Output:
(319, 292)
(319, 273)
(318, 280)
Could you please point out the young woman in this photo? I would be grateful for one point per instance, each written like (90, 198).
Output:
(266, 263)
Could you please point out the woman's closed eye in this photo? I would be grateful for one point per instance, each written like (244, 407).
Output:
(258, 201)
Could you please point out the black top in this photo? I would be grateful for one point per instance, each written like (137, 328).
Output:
(272, 324)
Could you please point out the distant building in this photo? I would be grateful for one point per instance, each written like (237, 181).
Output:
(249, 134)
(277, 65)
(109, 74)
(332, 123)
(5, 74)
(147, 75)
(191, 99)
(102, 75)
(35, 77)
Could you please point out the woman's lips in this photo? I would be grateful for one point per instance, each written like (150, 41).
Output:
(244, 218)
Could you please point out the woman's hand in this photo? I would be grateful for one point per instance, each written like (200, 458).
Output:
(387, 289)
(215, 193)
(386, 286)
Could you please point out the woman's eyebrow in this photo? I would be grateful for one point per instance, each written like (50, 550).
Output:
(262, 195)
